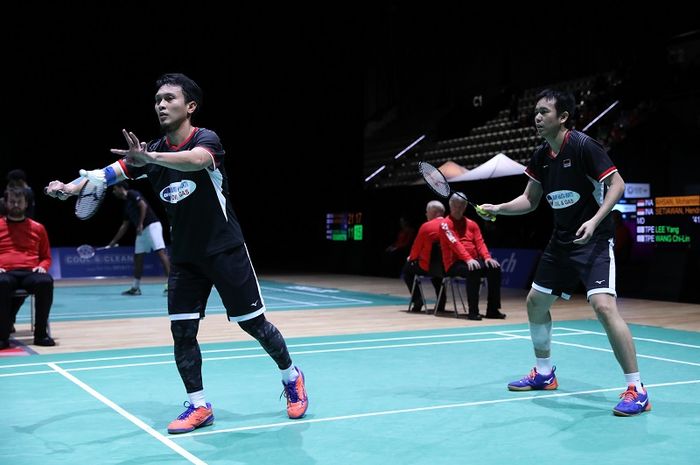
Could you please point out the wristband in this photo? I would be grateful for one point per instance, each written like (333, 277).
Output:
(110, 176)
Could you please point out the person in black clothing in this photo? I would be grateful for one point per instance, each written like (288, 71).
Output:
(149, 232)
(186, 169)
(575, 175)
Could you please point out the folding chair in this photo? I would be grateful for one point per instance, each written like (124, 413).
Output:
(435, 271)
(459, 283)
(32, 308)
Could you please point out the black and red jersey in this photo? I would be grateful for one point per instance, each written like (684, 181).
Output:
(572, 183)
(197, 202)
(132, 211)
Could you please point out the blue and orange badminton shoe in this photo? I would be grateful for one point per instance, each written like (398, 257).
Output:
(535, 382)
(633, 402)
(297, 400)
(191, 419)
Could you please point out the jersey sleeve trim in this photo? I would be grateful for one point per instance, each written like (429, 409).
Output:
(607, 173)
(532, 176)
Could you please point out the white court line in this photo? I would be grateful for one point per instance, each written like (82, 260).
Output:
(325, 296)
(505, 337)
(213, 309)
(258, 348)
(645, 339)
(423, 409)
(267, 298)
(603, 349)
(128, 416)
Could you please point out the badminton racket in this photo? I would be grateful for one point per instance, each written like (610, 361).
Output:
(88, 251)
(89, 199)
(438, 184)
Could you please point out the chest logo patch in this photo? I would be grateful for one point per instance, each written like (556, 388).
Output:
(562, 199)
(177, 191)
(567, 163)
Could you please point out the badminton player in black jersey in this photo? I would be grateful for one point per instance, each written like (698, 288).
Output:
(581, 185)
(186, 169)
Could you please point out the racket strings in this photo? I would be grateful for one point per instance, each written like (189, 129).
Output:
(89, 200)
(435, 179)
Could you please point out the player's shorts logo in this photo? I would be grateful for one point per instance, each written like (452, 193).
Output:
(177, 191)
(562, 199)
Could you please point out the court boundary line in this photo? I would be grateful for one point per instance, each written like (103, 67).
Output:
(332, 301)
(133, 419)
(423, 409)
(506, 336)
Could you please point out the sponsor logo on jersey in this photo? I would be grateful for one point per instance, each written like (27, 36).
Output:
(562, 199)
(177, 191)
(567, 163)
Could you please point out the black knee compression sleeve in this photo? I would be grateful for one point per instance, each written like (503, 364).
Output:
(269, 338)
(187, 355)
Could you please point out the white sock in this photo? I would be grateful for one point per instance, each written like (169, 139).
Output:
(197, 398)
(290, 374)
(544, 366)
(137, 283)
(634, 378)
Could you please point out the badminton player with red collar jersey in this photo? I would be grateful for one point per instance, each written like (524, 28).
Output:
(186, 169)
(581, 185)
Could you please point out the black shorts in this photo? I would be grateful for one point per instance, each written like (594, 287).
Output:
(562, 267)
(231, 272)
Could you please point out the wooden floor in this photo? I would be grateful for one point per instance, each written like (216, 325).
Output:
(77, 336)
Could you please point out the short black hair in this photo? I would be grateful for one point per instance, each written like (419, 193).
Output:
(563, 101)
(190, 89)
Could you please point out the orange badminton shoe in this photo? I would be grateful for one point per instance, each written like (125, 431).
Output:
(297, 400)
(191, 419)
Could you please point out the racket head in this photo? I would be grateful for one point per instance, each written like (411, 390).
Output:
(434, 179)
(89, 199)
(86, 251)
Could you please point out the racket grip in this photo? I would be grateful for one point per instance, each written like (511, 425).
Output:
(59, 194)
(484, 214)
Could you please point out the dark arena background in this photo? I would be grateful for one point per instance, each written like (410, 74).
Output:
(324, 112)
(308, 108)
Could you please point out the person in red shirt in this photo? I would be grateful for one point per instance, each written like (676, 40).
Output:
(25, 258)
(464, 253)
(419, 259)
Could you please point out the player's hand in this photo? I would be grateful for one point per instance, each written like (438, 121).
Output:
(39, 269)
(94, 176)
(2, 270)
(492, 263)
(136, 154)
(486, 211)
(585, 232)
(58, 190)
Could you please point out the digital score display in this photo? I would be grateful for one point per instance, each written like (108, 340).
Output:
(671, 221)
(344, 226)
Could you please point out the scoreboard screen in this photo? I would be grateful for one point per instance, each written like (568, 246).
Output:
(344, 226)
(668, 221)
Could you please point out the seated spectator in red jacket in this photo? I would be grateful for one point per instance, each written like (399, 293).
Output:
(464, 253)
(25, 258)
(419, 259)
